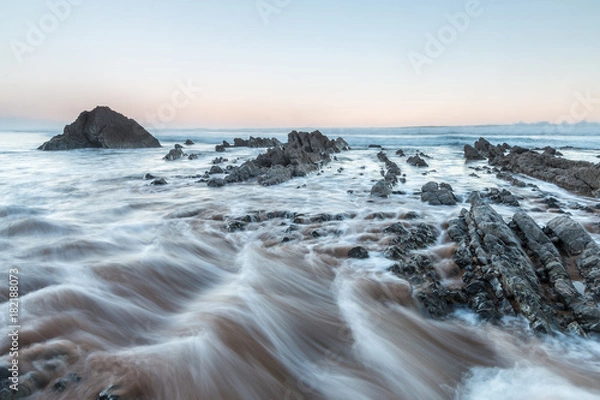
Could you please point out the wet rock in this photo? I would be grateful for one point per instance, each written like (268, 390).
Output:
(503, 196)
(508, 273)
(471, 154)
(375, 146)
(578, 243)
(219, 160)
(236, 225)
(417, 161)
(381, 189)
(174, 154)
(215, 169)
(397, 228)
(257, 142)
(551, 151)
(302, 154)
(438, 194)
(159, 182)
(579, 176)
(216, 182)
(400, 153)
(545, 253)
(358, 252)
(220, 148)
(148, 176)
(193, 157)
(102, 128)
(511, 179)
(189, 142)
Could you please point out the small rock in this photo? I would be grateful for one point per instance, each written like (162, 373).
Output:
(358, 252)
(159, 182)
(189, 142)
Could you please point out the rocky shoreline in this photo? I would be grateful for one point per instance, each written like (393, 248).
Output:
(496, 267)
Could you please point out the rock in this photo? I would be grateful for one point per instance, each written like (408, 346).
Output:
(302, 154)
(257, 142)
(358, 252)
(503, 196)
(148, 176)
(546, 254)
(188, 142)
(471, 154)
(159, 182)
(102, 128)
(417, 161)
(400, 153)
(220, 148)
(375, 146)
(579, 244)
(579, 176)
(174, 154)
(216, 182)
(551, 151)
(438, 194)
(215, 169)
(381, 189)
(193, 157)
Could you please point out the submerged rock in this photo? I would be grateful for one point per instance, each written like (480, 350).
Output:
(102, 128)
(358, 252)
(381, 188)
(417, 161)
(174, 154)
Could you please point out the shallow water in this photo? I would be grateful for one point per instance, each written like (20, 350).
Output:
(124, 283)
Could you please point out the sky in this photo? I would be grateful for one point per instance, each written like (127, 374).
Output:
(293, 63)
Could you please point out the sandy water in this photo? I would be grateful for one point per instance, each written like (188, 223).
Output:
(143, 287)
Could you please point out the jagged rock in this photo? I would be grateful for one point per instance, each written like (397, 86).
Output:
(174, 154)
(102, 128)
(546, 254)
(220, 148)
(578, 243)
(381, 189)
(358, 252)
(471, 154)
(302, 154)
(438, 194)
(503, 196)
(507, 272)
(189, 142)
(400, 153)
(256, 142)
(579, 176)
(417, 161)
(215, 169)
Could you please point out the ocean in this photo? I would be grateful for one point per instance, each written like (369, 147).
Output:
(143, 290)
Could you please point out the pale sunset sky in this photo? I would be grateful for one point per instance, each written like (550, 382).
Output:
(286, 63)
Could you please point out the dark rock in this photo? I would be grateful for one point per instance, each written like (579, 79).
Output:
(215, 169)
(193, 157)
(276, 175)
(148, 176)
(216, 183)
(188, 142)
(375, 146)
(220, 148)
(257, 142)
(381, 189)
(358, 252)
(417, 161)
(159, 182)
(551, 151)
(174, 154)
(579, 176)
(471, 154)
(102, 128)
(438, 194)
(503, 196)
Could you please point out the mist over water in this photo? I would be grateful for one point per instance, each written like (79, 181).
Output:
(144, 288)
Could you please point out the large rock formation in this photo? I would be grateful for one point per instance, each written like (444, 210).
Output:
(102, 128)
(579, 176)
(303, 153)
